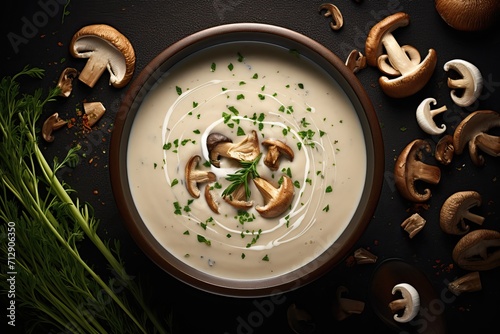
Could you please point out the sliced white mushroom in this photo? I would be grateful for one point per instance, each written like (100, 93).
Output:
(410, 303)
(471, 82)
(425, 117)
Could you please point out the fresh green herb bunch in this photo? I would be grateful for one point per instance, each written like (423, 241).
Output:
(242, 177)
(44, 224)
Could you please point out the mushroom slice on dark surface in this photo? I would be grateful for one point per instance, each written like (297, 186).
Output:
(466, 90)
(106, 48)
(425, 117)
(470, 282)
(93, 112)
(65, 83)
(472, 130)
(411, 73)
(219, 145)
(355, 61)
(408, 304)
(344, 307)
(471, 15)
(445, 150)
(455, 211)
(194, 176)
(333, 11)
(364, 256)
(52, 123)
(276, 200)
(299, 320)
(409, 169)
(478, 250)
(413, 224)
(275, 150)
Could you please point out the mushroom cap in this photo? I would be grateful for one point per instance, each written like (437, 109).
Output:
(92, 40)
(478, 250)
(409, 84)
(194, 176)
(373, 44)
(277, 200)
(471, 82)
(456, 208)
(476, 123)
(469, 15)
(409, 168)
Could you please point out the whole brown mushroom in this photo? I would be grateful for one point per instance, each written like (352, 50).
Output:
(469, 15)
(478, 250)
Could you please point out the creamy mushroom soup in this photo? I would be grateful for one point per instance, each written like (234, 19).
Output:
(235, 89)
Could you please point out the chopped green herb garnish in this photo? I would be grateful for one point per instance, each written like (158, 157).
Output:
(213, 67)
(233, 110)
(240, 97)
(326, 208)
(178, 90)
(186, 232)
(174, 182)
(203, 240)
(265, 258)
(241, 176)
(301, 86)
(255, 76)
(328, 189)
(240, 132)
(230, 66)
(240, 57)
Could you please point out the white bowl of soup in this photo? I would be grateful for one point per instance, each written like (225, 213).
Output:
(246, 160)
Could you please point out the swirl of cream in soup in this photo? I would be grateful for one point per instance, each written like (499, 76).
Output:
(233, 90)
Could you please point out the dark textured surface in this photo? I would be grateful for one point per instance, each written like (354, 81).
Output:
(151, 26)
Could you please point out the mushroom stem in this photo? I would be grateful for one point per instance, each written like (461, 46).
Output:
(397, 305)
(93, 70)
(473, 217)
(437, 111)
(397, 56)
(427, 172)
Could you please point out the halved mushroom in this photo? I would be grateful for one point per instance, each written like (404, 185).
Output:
(470, 84)
(425, 117)
(52, 123)
(469, 15)
(470, 282)
(93, 112)
(412, 75)
(219, 145)
(193, 176)
(455, 211)
(409, 303)
(478, 250)
(238, 199)
(355, 61)
(473, 130)
(333, 11)
(65, 83)
(409, 169)
(344, 307)
(276, 149)
(413, 224)
(276, 200)
(212, 204)
(106, 48)
(445, 150)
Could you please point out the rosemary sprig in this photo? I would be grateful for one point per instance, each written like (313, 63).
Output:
(242, 176)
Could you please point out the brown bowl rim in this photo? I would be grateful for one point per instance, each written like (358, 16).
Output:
(219, 35)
